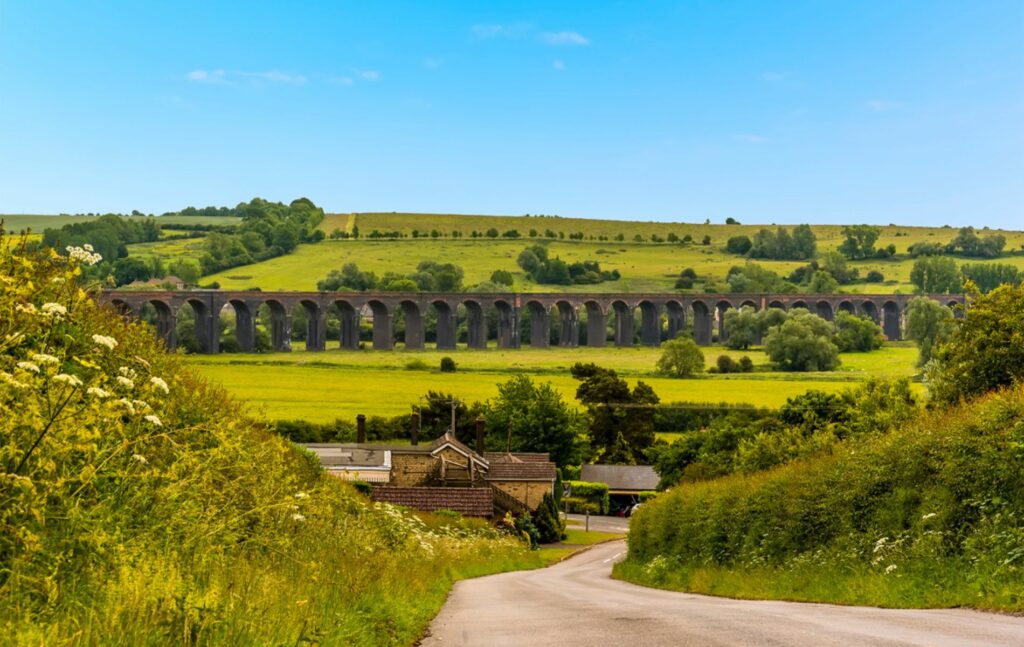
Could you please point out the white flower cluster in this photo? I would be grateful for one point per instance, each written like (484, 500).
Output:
(43, 358)
(9, 379)
(54, 310)
(84, 254)
(160, 384)
(28, 366)
(70, 380)
(153, 420)
(103, 340)
(97, 392)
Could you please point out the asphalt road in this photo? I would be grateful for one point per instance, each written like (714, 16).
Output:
(601, 524)
(577, 603)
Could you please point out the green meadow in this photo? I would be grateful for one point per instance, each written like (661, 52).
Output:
(341, 384)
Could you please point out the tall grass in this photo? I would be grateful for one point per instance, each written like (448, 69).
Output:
(931, 514)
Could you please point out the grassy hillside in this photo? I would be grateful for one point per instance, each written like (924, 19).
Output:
(16, 223)
(140, 507)
(644, 266)
(927, 515)
(341, 384)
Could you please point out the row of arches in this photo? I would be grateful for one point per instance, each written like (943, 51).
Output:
(251, 323)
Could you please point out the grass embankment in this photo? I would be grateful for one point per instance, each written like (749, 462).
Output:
(341, 384)
(139, 506)
(644, 266)
(930, 515)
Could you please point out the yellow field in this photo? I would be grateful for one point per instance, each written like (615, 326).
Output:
(341, 384)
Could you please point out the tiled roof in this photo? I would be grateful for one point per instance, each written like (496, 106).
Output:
(504, 470)
(622, 477)
(471, 502)
(526, 457)
(335, 455)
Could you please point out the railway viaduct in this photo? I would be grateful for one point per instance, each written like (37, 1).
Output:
(704, 311)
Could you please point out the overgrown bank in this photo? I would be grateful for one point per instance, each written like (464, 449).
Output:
(929, 514)
(137, 502)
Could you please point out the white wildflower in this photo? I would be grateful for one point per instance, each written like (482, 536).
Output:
(298, 517)
(28, 308)
(54, 309)
(98, 392)
(141, 405)
(58, 280)
(103, 340)
(127, 372)
(159, 384)
(87, 247)
(127, 404)
(141, 361)
(880, 544)
(83, 254)
(139, 458)
(153, 420)
(28, 366)
(301, 495)
(125, 382)
(928, 516)
(70, 380)
(43, 358)
(9, 379)
(890, 568)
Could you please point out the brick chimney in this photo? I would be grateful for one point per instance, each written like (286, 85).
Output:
(360, 428)
(414, 434)
(480, 435)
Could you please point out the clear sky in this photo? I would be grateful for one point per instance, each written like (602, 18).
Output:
(767, 111)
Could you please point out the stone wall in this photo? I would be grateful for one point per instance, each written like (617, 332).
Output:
(410, 470)
(529, 492)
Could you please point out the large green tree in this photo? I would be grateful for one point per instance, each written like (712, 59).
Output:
(532, 417)
(744, 327)
(857, 333)
(935, 275)
(615, 409)
(989, 276)
(680, 357)
(928, 323)
(802, 343)
(859, 241)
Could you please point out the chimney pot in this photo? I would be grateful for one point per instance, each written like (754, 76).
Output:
(415, 433)
(480, 435)
(360, 428)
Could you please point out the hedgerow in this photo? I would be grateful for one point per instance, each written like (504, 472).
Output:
(137, 502)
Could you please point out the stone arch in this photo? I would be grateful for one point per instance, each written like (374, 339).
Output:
(537, 320)
(207, 326)
(568, 324)
(870, 309)
(702, 322)
(676, 314)
(891, 321)
(800, 303)
(623, 323)
(166, 321)
(847, 306)
(597, 324)
(245, 324)
(280, 325)
(720, 309)
(775, 303)
(650, 323)
(476, 324)
(447, 324)
(508, 326)
(316, 325)
(751, 303)
(348, 324)
(383, 329)
(415, 334)
(824, 310)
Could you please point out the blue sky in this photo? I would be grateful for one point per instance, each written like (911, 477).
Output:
(826, 111)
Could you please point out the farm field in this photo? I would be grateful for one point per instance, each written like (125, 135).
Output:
(16, 223)
(340, 384)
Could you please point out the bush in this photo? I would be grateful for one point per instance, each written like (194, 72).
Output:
(595, 494)
(802, 343)
(746, 365)
(684, 283)
(874, 276)
(417, 365)
(726, 364)
(689, 273)
(680, 357)
(550, 528)
(857, 333)
(738, 245)
(447, 365)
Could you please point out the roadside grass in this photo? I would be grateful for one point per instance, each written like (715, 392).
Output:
(577, 537)
(320, 387)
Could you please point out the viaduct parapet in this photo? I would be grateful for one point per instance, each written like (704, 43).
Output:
(662, 316)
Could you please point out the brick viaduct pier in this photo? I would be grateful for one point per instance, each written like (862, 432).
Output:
(704, 311)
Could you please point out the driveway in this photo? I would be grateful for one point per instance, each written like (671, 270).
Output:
(577, 603)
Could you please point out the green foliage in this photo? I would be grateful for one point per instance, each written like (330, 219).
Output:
(139, 500)
(108, 235)
(348, 278)
(680, 357)
(801, 244)
(502, 277)
(928, 323)
(615, 409)
(802, 343)
(928, 514)
(968, 243)
(534, 261)
(447, 365)
(726, 364)
(857, 333)
(531, 417)
(744, 327)
(935, 275)
(859, 241)
(989, 276)
(754, 278)
(822, 282)
(835, 264)
(550, 528)
(594, 493)
(985, 351)
(738, 245)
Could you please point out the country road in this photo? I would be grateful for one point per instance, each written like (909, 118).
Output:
(577, 603)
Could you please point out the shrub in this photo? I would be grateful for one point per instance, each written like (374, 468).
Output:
(689, 273)
(857, 333)
(550, 528)
(726, 364)
(596, 494)
(447, 365)
(417, 365)
(802, 343)
(684, 283)
(874, 276)
(746, 365)
(738, 245)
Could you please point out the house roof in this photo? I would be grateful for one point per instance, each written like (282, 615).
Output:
(350, 456)
(526, 457)
(622, 477)
(471, 502)
(511, 467)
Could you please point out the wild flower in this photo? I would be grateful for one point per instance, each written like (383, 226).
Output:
(29, 366)
(153, 420)
(54, 309)
(9, 379)
(43, 358)
(928, 516)
(70, 380)
(139, 458)
(141, 361)
(890, 568)
(301, 495)
(103, 340)
(87, 247)
(125, 382)
(58, 280)
(97, 392)
(880, 544)
(83, 254)
(126, 372)
(298, 517)
(127, 404)
(159, 384)
(140, 405)
(27, 308)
